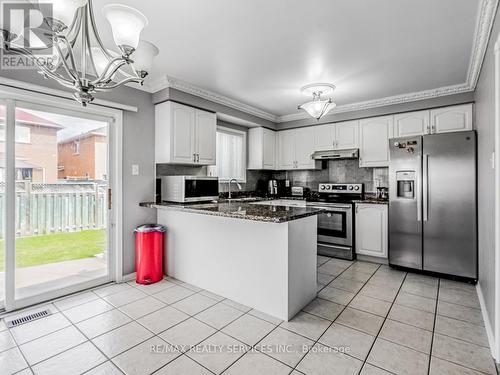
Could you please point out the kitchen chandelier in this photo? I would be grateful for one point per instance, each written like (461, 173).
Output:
(78, 58)
(319, 106)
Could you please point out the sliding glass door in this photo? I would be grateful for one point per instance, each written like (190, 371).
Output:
(57, 189)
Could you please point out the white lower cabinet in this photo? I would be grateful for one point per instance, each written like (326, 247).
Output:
(372, 229)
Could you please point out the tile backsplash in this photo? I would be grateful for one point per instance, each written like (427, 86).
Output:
(342, 171)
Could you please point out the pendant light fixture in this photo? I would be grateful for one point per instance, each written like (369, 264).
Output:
(319, 106)
(79, 60)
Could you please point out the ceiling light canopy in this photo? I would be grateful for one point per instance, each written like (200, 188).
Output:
(319, 106)
(78, 58)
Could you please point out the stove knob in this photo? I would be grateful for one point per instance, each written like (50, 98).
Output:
(328, 187)
(350, 187)
(356, 188)
(323, 187)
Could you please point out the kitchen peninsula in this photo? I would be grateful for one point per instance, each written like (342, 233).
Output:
(258, 255)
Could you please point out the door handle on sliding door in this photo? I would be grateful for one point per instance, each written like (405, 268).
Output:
(425, 183)
(110, 199)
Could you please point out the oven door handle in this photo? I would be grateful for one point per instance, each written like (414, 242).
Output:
(331, 209)
(335, 246)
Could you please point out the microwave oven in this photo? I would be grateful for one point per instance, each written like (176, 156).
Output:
(185, 189)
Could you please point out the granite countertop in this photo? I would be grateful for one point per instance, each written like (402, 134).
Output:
(241, 210)
(372, 201)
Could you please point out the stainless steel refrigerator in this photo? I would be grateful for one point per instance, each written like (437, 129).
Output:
(433, 204)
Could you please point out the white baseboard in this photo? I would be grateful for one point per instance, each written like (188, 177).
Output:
(487, 322)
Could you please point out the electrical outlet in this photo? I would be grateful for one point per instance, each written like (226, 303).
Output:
(135, 169)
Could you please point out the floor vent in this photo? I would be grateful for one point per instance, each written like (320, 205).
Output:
(27, 318)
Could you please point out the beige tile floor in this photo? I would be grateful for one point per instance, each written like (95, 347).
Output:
(368, 319)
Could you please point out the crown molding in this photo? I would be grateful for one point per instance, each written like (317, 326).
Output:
(486, 18)
(382, 102)
(175, 83)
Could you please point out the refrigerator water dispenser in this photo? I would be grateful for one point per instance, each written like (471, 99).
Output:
(405, 184)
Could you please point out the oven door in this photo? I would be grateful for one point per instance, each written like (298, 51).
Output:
(335, 225)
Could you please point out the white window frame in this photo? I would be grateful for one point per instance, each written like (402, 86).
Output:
(76, 147)
(495, 335)
(19, 139)
(231, 131)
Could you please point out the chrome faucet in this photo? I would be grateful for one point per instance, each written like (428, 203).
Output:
(239, 186)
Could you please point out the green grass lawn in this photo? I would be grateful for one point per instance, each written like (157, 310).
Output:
(53, 248)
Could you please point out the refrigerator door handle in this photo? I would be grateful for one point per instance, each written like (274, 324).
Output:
(419, 198)
(425, 176)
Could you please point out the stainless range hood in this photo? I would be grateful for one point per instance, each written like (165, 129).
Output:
(352, 153)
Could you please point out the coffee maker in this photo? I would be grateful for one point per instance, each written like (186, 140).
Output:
(272, 188)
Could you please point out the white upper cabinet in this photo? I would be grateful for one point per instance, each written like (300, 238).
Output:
(346, 135)
(451, 119)
(286, 147)
(184, 135)
(338, 136)
(304, 148)
(374, 141)
(295, 149)
(205, 134)
(324, 137)
(261, 149)
(412, 124)
(182, 129)
(372, 229)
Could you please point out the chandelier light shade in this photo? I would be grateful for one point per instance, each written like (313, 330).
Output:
(319, 106)
(143, 57)
(126, 24)
(74, 54)
(64, 11)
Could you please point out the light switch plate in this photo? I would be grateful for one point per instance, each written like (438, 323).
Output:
(135, 169)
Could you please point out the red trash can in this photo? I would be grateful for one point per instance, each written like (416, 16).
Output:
(149, 245)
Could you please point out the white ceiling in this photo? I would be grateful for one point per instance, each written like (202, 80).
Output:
(260, 52)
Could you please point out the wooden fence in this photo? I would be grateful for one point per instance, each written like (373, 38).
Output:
(56, 208)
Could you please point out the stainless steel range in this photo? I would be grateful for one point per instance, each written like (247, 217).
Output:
(335, 226)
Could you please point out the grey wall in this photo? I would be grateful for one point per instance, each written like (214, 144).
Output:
(381, 111)
(485, 122)
(138, 136)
